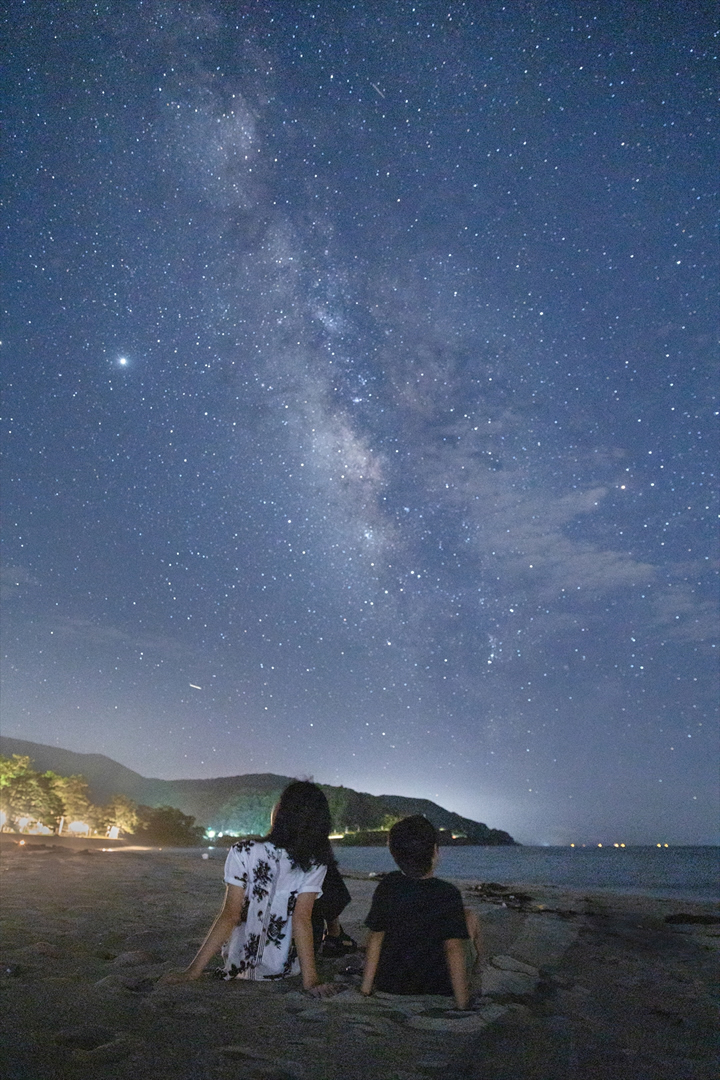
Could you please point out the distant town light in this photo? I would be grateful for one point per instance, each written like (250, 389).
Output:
(79, 827)
(30, 825)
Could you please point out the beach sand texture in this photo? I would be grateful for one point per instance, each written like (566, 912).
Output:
(596, 987)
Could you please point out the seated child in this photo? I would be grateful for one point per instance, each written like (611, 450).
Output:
(419, 931)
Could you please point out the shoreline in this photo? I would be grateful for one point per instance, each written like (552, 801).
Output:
(216, 854)
(552, 892)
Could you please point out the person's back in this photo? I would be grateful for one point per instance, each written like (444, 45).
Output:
(418, 927)
(417, 916)
(259, 946)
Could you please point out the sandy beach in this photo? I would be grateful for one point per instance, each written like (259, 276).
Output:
(574, 986)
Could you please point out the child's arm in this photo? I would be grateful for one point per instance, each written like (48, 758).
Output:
(455, 959)
(303, 937)
(219, 933)
(372, 956)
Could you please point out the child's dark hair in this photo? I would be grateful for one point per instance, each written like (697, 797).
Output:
(302, 825)
(412, 843)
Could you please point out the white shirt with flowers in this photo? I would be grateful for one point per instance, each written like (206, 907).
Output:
(261, 946)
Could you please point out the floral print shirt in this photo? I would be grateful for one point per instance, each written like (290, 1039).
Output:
(261, 946)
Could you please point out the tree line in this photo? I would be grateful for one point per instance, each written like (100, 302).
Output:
(29, 798)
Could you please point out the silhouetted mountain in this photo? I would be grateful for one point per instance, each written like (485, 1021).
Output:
(239, 804)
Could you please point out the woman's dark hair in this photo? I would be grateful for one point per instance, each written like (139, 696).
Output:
(302, 825)
(412, 844)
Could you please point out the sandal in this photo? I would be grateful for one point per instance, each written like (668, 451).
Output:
(339, 944)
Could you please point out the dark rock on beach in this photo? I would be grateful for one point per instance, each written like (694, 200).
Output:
(505, 895)
(684, 918)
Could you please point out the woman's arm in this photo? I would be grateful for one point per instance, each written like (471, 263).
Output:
(372, 956)
(219, 932)
(303, 937)
(305, 946)
(455, 959)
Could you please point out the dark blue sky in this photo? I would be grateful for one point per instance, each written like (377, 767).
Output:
(359, 408)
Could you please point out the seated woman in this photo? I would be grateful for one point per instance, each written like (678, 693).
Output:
(265, 925)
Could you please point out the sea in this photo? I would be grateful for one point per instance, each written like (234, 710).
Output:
(674, 873)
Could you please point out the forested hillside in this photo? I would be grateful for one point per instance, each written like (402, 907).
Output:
(241, 804)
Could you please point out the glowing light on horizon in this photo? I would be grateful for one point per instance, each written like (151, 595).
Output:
(79, 827)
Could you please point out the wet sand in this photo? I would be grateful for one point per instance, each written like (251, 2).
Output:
(576, 986)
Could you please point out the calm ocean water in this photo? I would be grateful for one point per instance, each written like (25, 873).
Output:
(680, 873)
(689, 873)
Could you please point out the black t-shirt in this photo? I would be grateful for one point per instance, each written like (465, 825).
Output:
(417, 915)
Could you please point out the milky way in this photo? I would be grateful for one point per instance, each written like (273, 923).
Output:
(359, 401)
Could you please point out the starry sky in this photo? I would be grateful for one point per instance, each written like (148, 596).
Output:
(360, 398)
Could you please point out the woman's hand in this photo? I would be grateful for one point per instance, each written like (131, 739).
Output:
(171, 978)
(324, 990)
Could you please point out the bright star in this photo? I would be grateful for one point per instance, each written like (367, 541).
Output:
(123, 361)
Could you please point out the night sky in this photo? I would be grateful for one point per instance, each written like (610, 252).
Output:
(359, 400)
